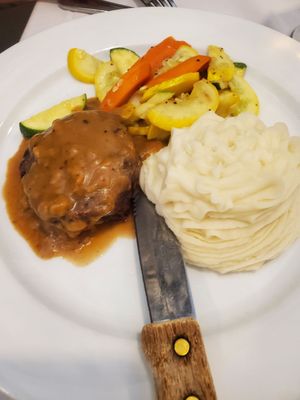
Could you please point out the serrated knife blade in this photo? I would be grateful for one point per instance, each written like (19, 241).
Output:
(172, 343)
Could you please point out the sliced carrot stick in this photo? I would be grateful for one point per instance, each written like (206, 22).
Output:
(127, 85)
(165, 49)
(142, 71)
(193, 64)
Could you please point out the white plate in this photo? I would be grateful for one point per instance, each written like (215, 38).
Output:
(72, 333)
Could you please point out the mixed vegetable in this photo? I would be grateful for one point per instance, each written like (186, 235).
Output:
(171, 85)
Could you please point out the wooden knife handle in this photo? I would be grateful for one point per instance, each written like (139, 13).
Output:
(177, 356)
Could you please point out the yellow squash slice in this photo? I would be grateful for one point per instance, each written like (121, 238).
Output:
(151, 131)
(228, 100)
(221, 68)
(137, 130)
(141, 110)
(183, 112)
(248, 100)
(82, 65)
(180, 84)
(157, 133)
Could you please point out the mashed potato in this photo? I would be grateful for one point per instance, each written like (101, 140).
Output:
(229, 189)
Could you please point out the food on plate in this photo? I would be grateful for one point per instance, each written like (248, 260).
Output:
(80, 172)
(108, 73)
(83, 158)
(176, 85)
(43, 120)
(192, 64)
(123, 59)
(184, 111)
(248, 101)
(229, 189)
(170, 86)
(82, 65)
(139, 73)
(221, 68)
(76, 175)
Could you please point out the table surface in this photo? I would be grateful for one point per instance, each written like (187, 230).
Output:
(30, 17)
(282, 15)
(11, 33)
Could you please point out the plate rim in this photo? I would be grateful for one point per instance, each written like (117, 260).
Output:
(8, 54)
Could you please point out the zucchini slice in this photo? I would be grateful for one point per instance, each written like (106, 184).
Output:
(240, 68)
(248, 100)
(43, 120)
(106, 77)
(123, 59)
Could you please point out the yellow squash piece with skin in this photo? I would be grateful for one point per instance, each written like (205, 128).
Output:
(151, 131)
(82, 65)
(248, 100)
(141, 110)
(157, 133)
(127, 111)
(180, 84)
(138, 130)
(180, 113)
(221, 68)
(227, 100)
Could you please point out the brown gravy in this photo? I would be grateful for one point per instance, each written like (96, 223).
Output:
(82, 250)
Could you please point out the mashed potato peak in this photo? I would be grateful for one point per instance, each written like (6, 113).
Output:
(229, 189)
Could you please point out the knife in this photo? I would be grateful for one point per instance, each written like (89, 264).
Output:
(172, 342)
(90, 6)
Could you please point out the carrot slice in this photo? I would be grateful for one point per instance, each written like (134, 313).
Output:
(141, 72)
(165, 49)
(127, 85)
(193, 64)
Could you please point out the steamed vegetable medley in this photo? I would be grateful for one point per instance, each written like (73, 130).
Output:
(171, 85)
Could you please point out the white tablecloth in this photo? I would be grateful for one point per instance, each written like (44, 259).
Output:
(282, 15)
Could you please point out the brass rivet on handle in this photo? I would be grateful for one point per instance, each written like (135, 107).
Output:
(191, 398)
(182, 348)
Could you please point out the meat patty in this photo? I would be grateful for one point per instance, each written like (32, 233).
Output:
(80, 172)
